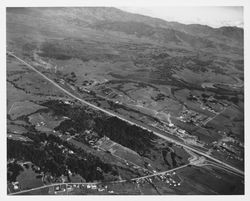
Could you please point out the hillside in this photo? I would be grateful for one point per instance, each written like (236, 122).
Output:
(52, 21)
(96, 94)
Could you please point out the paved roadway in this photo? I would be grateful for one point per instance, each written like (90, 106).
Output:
(126, 120)
(210, 163)
(120, 181)
(95, 183)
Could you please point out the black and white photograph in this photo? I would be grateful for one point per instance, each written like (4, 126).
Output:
(124, 100)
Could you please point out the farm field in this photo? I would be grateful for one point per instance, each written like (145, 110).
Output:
(105, 102)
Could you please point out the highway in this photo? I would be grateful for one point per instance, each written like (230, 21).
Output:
(127, 120)
(160, 173)
(120, 181)
(221, 167)
(104, 183)
(46, 186)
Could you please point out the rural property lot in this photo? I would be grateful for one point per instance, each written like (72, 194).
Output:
(119, 103)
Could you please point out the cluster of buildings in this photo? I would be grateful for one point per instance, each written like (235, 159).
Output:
(210, 100)
(91, 138)
(67, 188)
(182, 134)
(65, 150)
(190, 116)
(171, 179)
(233, 148)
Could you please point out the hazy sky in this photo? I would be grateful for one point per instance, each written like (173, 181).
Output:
(213, 16)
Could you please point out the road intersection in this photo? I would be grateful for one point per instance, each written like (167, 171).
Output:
(111, 113)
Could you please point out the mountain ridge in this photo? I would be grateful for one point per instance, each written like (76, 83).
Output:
(109, 20)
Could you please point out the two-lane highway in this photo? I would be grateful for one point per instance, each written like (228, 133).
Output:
(111, 113)
(106, 183)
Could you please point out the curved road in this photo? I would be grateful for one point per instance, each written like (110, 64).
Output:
(126, 120)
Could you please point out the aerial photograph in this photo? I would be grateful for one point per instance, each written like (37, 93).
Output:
(125, 101)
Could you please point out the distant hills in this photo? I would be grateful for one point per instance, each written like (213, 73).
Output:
(109, 22)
